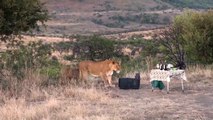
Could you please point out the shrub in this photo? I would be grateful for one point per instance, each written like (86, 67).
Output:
(93, 48)
(19, 60)
(52, 71)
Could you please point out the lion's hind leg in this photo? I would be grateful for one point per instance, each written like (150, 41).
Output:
(84, 75)
(105, 79)
(80, 75)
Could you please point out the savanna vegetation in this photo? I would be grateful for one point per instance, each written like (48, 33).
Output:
(189, 40)
(119, 21)
(200, 4)
(30, 76)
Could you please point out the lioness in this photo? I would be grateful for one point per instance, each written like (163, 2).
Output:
(103, 69)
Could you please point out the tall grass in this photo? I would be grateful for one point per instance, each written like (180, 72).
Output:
(200, 74)
(31, 100)
(35, 102)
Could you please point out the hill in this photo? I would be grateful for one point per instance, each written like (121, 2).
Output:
(69, 17)
(195, 4)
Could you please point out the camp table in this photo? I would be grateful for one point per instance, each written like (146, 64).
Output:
(164, 75)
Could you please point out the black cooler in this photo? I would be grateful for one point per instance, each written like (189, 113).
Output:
(129, 83)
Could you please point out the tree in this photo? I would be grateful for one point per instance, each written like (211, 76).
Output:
(197, 33)
(189, 39)
(173, 46)
(17, 16)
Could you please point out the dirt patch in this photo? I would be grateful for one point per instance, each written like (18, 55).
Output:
(145, 104)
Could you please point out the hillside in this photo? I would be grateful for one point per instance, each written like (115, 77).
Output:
(103, 5)
(195, 4)
(69, 17)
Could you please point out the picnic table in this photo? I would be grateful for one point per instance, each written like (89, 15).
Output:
(164, 75)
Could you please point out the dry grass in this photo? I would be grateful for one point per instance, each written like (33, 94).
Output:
(201, 75)
(80, 102)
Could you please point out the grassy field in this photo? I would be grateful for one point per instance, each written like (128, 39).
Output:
(92, 101)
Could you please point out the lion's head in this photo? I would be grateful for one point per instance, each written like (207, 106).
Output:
(115, 66)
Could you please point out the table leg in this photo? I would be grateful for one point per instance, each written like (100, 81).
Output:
(182, 85)
(152, 89)
(167, 87)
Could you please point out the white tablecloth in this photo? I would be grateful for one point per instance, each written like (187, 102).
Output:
(163, 75)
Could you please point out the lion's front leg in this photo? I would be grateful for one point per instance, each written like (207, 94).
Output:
(109, 78)
(83, 75)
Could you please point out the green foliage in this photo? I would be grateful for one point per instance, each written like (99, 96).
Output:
(26, 57)
(150, 48)
(166, 20)
(17, 16)
(196, 30)
(113, 24)
(140, 18)
(63, 46)
(118, 21)
(95, 47)
(190, 39)
(52, 71)
(101, 48)
(131, 65)
(150, 18)
(173, 46)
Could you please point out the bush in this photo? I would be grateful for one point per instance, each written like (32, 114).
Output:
(19, 60)
(52, 71)
(93, 48)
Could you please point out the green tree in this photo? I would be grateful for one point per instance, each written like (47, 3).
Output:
(190, 38)
(173, 46)
(197, 33)
(17, 16)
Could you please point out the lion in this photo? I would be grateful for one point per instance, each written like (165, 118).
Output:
(69, 73)
(103, 69)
